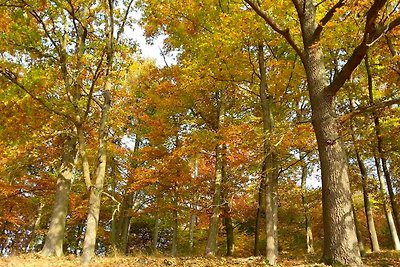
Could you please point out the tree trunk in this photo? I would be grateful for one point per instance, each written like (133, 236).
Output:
(388, 211)
(53, 245)
(367, 206)
(33, 239)
(367, 203)
(381, 152)
(269, 169)
(97, 189)
(192, 227)
(307, 217)
(358, 233)
(230, 245)
(260, 212)
(212, 240)
(156, 231)
(340, 239)
(175, 224)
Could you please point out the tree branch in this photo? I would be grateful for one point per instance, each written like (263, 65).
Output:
(374, 107)
(13, 78)
(328, 16)
(372, 32)
(283, 32)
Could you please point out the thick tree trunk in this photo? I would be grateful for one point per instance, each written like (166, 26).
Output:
(53, 245)
(269, 169)
(97, 189)
(307, 217)
(387, 208)
(340, 239)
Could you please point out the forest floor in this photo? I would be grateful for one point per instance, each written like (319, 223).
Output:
(386, 259)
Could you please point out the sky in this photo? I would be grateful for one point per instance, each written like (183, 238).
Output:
(148, 50)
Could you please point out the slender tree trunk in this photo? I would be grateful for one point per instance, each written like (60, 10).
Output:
(156, 231)
(260, 212)
(53, 245)
(387, 208)
(230, 244)
(175, 224)
(97, 189)
(192, 227)
(358, 233)
(33, 239)
(381, 152)
(367, 206)
(193, 216)
(269, 169)
(367, 203)
(212, 240)
(307, 217)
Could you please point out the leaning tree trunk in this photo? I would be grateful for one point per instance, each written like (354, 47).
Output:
(53, 245)
(269, 169)
(96, 190)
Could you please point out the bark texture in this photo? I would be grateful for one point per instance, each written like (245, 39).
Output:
(359, 235)
(212, 239)
(53, 245)
(269, 168)
(96, 190)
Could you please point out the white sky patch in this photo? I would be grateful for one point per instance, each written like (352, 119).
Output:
(149, 50)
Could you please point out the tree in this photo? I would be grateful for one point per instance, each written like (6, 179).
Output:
(340, 242)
